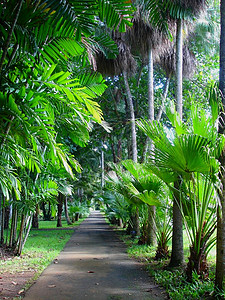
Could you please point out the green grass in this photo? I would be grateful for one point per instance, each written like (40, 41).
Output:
(41, 248)
(53, 223)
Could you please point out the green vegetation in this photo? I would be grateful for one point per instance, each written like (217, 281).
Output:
(41, 248)
(173, 280)
(120, 105)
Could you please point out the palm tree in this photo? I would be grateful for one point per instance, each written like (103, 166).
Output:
(183, 159)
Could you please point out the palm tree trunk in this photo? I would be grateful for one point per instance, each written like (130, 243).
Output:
(220, 248)
(66, 212)
(151, 234)
(165, 93)
(102, 168)
(179, 67)
(20, 237)
(151, 109)
(13, 228)
(28, 225)
(132, 118)
(177, 255)
(134, 142)
(35, 223)
(60, 209)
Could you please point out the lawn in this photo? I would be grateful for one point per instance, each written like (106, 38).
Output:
(41, 248)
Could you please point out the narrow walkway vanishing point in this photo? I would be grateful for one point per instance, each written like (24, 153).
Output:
(94, 265)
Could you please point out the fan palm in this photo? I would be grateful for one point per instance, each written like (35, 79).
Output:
(185, 156)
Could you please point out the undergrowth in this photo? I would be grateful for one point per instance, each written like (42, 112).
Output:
(173, 280)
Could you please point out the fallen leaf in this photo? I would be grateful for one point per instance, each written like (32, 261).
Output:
(51, 285)
(20, 292)
(14, 283)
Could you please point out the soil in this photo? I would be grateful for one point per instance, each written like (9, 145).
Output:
(93, 265)
(12, 285)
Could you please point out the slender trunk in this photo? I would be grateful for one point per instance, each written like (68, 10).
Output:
(165, 93)
(20, 237)
(77, 215)
(134, 142)
(177, 255)
(136, 222)
(7, 217)
(60, 209)
(66, 212)
(102, 168)
(132, 118)
(220, 249)
(29, 222)
(5, 48)
(13, 229)
(35, 223)
(179, 67)
(151, 234)
(151, 109)
(113, 152)
(151, 228)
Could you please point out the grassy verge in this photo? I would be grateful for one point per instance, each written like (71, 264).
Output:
(41, 248)
(173, 280)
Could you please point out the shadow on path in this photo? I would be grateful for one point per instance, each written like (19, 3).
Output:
(94, 265)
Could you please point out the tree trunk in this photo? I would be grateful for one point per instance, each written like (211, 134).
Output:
(151, 235)
(132, 118)
(179, 67)
(102, 168)
(35, 222)
(136, 222)
(60, 209)
(29, 223)
(151, 228)
(220, 247)
(66, 212)
(134, 142)
(77, 215)
(13, 229)
(177, 255)
(20, 237)
(165, 93)
(47, 215)
(7, 217)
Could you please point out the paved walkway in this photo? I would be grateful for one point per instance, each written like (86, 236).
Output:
(94, 265)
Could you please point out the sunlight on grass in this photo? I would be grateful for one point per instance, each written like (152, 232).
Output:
(41, 248)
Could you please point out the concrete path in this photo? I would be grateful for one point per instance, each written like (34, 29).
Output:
(94, 265)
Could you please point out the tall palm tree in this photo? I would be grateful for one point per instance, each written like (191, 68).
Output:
(181, 159)
(178, 10)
